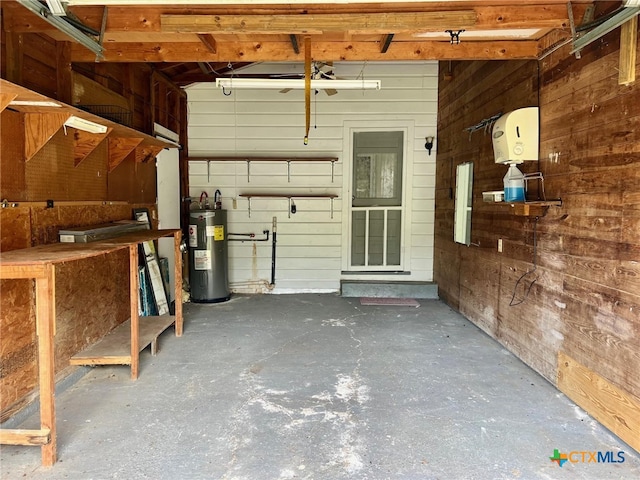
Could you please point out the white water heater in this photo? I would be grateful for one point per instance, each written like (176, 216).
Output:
(515, 136)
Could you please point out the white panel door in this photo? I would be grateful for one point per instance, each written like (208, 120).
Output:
(168, 184)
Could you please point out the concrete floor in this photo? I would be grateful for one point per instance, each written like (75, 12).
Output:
(320, 387)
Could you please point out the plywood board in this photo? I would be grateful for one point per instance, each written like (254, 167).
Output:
(12, 180)
(115, 348)
(615, 408)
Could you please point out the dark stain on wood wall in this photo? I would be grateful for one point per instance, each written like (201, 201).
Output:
(585, 300)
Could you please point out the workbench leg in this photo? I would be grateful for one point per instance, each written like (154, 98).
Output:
(177, 293)
(45, 328)
(133, 301)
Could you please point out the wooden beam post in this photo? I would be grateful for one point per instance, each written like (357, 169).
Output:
(133, 301)
(628, 47)
(45, 329)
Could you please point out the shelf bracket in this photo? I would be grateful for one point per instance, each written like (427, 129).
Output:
(332, 164)
(288, 171)
(248, 171)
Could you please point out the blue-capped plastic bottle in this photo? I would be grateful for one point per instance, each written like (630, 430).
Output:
(513, 185)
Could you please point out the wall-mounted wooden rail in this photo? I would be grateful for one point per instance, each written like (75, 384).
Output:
(289, 160)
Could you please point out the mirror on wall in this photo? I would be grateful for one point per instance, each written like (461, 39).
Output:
(463, 203)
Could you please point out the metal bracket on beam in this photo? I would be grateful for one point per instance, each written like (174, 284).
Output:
(572, 24)
(43, 12)
(294, 44)
(386, 42)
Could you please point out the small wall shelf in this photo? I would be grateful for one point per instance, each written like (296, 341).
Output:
(333, 160)
(290, 197)
(533, 209)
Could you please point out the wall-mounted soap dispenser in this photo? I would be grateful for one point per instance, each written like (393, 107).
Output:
(515, 136)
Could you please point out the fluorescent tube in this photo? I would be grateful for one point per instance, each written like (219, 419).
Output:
(284, 83)
(56, 8)
(85, 125)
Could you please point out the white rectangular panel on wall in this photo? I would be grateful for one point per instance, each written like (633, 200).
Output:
(463, 203)
(168, 190)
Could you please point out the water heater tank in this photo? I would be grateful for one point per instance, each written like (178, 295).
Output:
(515, 136)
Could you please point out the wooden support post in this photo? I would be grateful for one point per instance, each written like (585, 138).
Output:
(177, 265)
(45, 329)
(133, 300)
(628, 47)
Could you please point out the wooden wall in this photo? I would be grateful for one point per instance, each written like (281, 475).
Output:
(585, 301)
(92, 295)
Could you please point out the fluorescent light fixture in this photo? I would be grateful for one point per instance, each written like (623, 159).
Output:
(34, 103)
(57, 8)
(85, 125)
(294, 83)
(468, 34)
(62, 25)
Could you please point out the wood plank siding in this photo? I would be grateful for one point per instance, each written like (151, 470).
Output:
(269, 123)
(584, 295)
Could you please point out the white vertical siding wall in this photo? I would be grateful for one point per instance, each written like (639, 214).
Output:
(272, 124)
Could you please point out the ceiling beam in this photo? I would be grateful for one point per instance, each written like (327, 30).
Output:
(131, 20)
(323, 51)
(316, 24)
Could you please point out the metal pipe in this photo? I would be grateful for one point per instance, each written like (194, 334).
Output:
(252, 237)
(273, 251)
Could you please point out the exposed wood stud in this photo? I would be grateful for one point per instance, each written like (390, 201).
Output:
(386, 42)
(209, 42)
(628, 48)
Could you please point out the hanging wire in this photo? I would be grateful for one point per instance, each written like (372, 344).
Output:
(224, 92)
(527, 290)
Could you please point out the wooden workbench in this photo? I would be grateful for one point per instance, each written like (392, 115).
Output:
(122, 346)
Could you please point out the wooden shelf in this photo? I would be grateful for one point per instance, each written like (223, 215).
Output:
(288, 196)
(115, 347)
(333, 160)
(533, 209)
(45, 116)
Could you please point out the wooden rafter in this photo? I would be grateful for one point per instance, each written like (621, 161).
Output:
(209, 42)
(317, 23)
